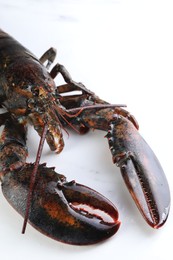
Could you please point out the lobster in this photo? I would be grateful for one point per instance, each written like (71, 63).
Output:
(67, 211)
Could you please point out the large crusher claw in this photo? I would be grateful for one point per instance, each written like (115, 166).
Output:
(65, 211)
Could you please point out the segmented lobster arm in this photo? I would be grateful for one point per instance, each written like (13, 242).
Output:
(65, 211)
(139, 166)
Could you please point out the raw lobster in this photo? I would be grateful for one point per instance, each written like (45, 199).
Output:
(68, 211)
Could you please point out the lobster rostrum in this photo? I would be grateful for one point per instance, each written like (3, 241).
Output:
(68, 211)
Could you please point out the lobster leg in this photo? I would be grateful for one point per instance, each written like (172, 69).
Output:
(65, 211)
(48, 56)
(58, 68)
(71, 85)
(139, 166)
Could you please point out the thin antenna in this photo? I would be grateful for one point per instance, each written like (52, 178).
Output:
(33, 176)
(79, 110)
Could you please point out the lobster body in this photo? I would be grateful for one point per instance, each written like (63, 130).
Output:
(56, 207)
(23, 77)
(20, 69)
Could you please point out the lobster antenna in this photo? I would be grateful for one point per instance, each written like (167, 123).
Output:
(33, 176)
(78, 110)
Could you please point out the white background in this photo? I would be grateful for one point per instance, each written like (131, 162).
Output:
(123, 51)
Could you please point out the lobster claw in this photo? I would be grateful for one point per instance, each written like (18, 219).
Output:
(65, 211)
(141, 171)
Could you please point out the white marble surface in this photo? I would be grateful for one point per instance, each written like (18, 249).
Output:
(122, 50)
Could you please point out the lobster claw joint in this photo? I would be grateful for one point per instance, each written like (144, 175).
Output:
(65, 211)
